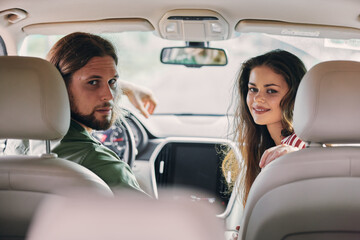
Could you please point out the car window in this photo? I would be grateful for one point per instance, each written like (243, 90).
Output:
(3, 51)
(206, 90)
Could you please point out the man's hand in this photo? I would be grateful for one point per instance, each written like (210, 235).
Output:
(141, 97)
(272, 153)
(235, 235)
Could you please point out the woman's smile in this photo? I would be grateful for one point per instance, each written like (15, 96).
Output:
(260, 110)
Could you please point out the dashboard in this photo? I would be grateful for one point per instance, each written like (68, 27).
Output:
(193, 163)
(171, 163)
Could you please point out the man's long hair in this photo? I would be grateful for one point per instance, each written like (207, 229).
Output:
(75, 50)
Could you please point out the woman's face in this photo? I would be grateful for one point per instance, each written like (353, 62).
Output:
(266, 90)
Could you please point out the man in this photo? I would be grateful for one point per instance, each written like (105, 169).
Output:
(88, 65)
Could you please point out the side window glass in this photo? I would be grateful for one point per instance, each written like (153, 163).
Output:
(3, 51)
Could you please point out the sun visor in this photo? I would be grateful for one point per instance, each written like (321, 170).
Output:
(193, 25)
(101, 26)
(297, 29)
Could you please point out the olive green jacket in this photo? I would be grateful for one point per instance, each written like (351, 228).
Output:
(80, 147)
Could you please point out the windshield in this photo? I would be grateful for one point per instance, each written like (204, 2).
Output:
(206, 90)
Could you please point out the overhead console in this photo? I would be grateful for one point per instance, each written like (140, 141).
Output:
(193, 25)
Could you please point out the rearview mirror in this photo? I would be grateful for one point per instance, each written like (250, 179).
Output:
(194, 56)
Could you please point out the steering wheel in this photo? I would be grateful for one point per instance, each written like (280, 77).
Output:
(130, 150)
(120, 139)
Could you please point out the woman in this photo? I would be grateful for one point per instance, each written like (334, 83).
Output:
(267, 85)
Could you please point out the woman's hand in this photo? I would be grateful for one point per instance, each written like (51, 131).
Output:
(272, 153)
(141, 97)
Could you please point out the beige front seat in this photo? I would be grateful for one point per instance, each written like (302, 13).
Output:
(314, 193)
(127, 217)
(34, 105)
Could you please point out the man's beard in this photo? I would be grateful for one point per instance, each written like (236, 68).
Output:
(90, 119)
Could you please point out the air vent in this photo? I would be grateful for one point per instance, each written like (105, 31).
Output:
(162, 164)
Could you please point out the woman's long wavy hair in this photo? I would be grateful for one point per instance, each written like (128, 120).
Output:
(254, 139)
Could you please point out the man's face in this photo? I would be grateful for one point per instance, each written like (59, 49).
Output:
(92, 91)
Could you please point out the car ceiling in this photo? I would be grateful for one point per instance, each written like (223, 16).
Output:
(326, 12)
(343, 13)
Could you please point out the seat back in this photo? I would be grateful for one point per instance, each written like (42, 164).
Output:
(126, 217)
(314, 193)
(34, 105)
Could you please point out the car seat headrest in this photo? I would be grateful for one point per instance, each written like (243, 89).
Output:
(327, 103)
(34, 103)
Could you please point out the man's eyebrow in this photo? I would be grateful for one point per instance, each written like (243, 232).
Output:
(100, 77)
(94, 76)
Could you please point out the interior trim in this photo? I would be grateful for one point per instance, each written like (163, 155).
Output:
(99, 26)
(296, 29)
